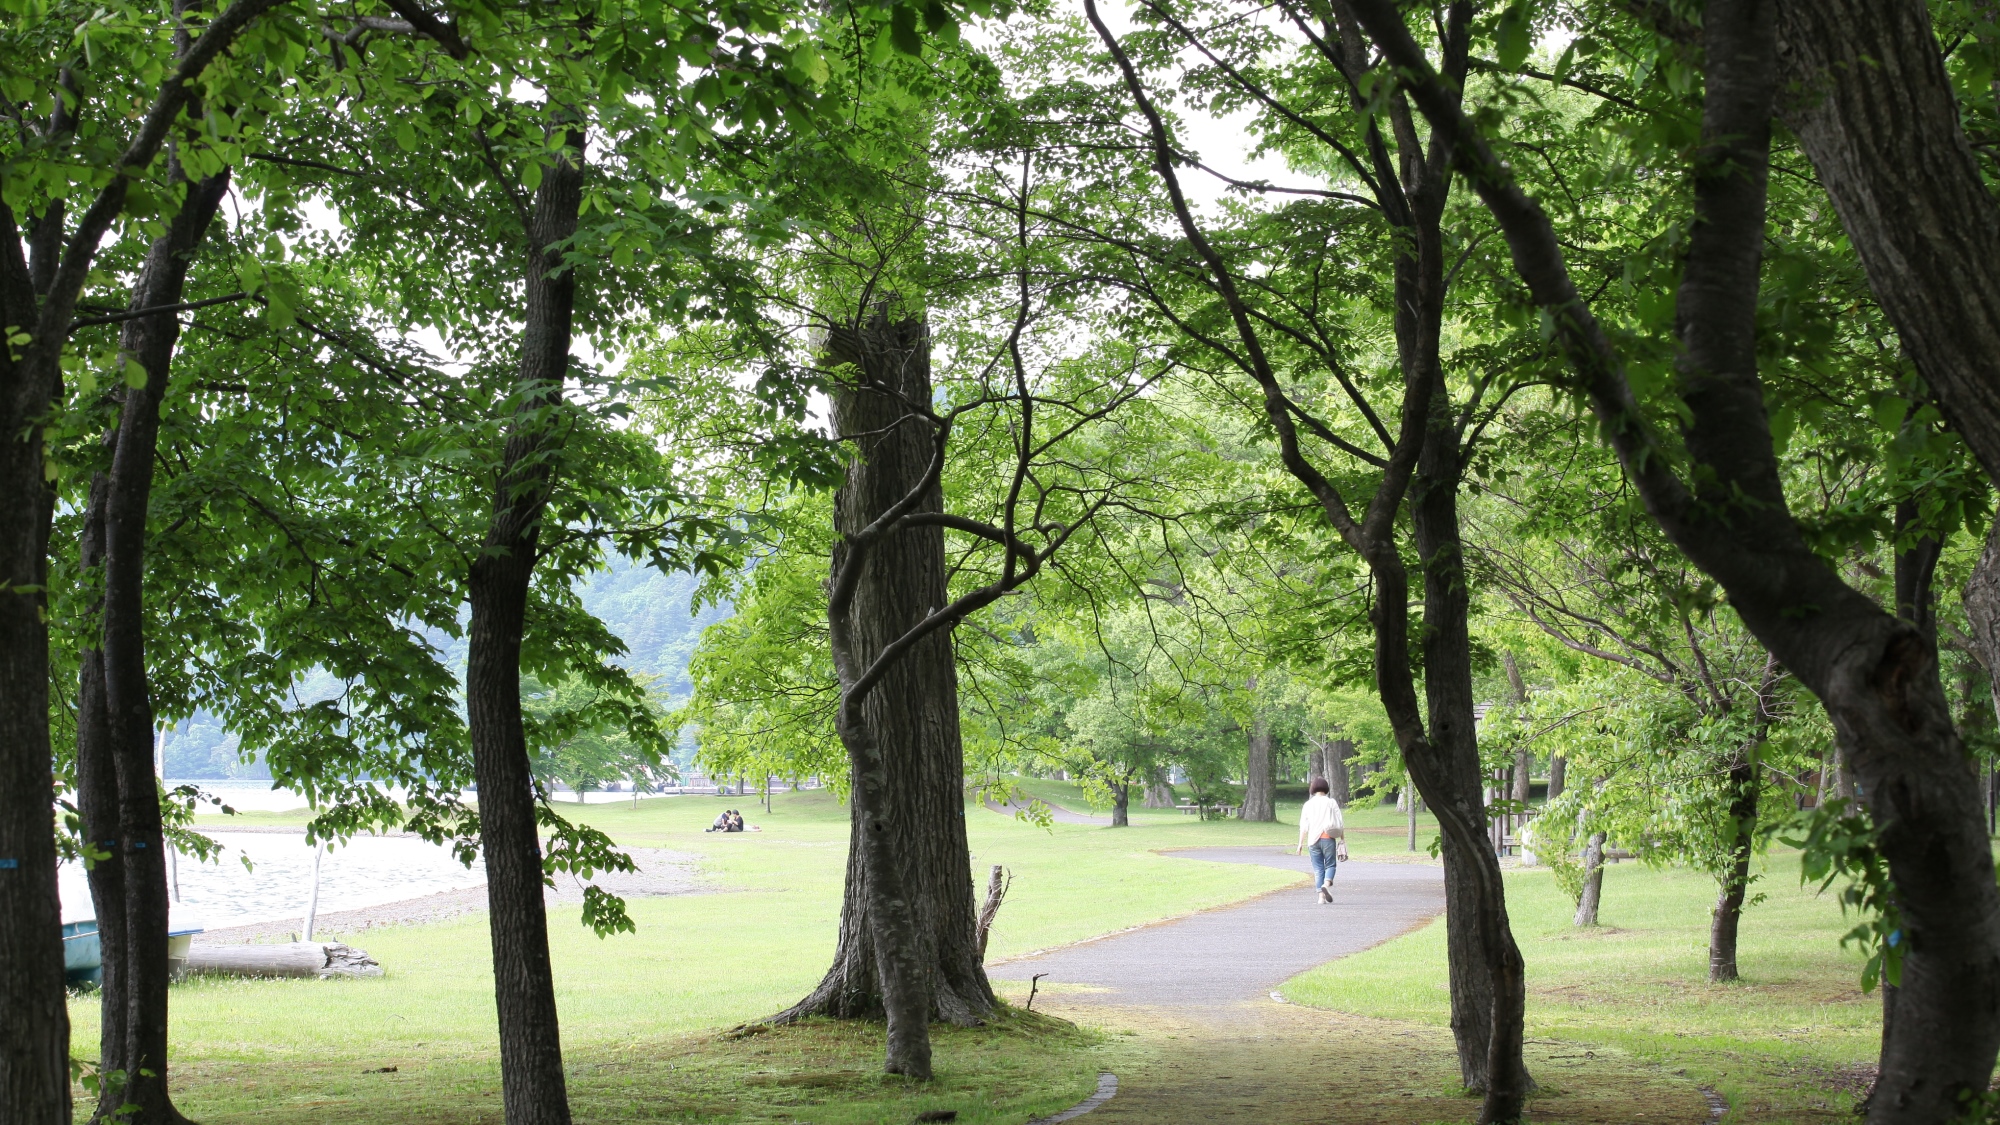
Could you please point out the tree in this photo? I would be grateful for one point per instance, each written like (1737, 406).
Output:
(46, 268)
(576, 743)
(1594, 576)
(1441, 752)
(1875, 673)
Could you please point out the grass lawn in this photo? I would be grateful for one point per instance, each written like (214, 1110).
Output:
(1778, 1044)
(641, 1011)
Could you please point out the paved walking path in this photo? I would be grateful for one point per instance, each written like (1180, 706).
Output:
(1221, 959)
(1214, 1044)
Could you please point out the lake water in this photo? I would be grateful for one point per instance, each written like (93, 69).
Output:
(365, 871)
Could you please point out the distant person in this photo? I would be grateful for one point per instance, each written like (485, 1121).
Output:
(721, 823)
(1319, 823)
(735, 821)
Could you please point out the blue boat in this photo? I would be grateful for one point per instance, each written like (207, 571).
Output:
(83, 952)
(83, 956)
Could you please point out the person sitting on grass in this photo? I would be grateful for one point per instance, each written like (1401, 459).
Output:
(735, 821)
(1319, 822)
(721, 823)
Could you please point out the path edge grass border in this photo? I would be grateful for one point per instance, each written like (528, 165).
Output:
(1107, 1088)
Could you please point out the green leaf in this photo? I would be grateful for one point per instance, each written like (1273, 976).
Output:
(903, 30)
(1512, 36)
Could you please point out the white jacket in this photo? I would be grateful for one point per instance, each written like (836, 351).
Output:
(1320, 817)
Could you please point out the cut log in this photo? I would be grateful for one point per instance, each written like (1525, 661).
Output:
(321, 959)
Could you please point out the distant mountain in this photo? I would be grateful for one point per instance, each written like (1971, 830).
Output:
(648, 610)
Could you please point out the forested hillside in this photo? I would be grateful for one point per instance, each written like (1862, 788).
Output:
(645, 608)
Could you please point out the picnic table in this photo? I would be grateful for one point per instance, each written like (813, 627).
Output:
(1190, 809)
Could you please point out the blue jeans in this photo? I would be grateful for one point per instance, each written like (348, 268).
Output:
(1323, 854)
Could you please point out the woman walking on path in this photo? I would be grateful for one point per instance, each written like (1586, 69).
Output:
(1319, 822)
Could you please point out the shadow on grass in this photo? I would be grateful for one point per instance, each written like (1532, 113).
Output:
(1018, 1066)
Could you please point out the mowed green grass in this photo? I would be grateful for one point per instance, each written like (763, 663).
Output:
(640, 1011)
(1775, 1044)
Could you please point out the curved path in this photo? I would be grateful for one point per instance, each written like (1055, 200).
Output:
(1211, 1041)
(1223, 958)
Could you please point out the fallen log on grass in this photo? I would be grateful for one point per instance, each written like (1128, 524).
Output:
(323, 959)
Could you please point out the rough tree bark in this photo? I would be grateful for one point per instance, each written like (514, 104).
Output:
(39, 286)
(1869, 99)
(911, 818)
(1159, 794)
(1727, 918)
(1593, 881)
(1874, 672)
(117, 794)
(532, 1085)
(1746, 785)
(1121, 803)
(1338, 775)
(1478, 934)
(1260, 785)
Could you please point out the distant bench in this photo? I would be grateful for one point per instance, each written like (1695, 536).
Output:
(1221, 810)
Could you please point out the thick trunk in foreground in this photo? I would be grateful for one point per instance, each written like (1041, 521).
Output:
(1871, 104)
(118, 795)
(1744, 786)
(1260, 786)
(1121, 803)
(1485, 983)
(39, 287)
(911, 717)
(34, 1014)
(532, 1085)
(1874, 110)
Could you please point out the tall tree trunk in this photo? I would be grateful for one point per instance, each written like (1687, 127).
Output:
(1486, 982)
(1593, 881)
(1260, 787)
(117, 792)
(1744, 787)
(1874, 110)
(533, 1088)
(1337, 771)
(1558, 775)
(1121, 801)
(40, 283)
(34, 1013)
(911, 821)
(1159, 794)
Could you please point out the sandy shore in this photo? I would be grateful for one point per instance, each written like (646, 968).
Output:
(661, 872)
